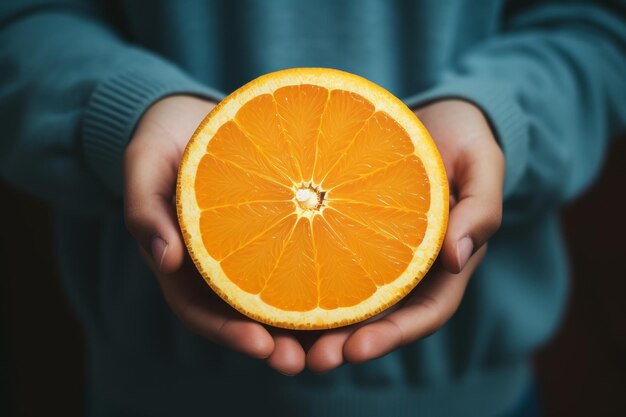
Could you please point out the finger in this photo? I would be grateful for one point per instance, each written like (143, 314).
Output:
(326, 353)
(427, 309)
(204, 313)
(239, 334)
(288, 356)
(477, 212)
(149, 213)
(231, 330)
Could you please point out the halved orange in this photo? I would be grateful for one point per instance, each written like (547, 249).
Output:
(312, 198)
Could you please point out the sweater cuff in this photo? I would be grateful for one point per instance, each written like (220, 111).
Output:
(115, 107)
(504, 114)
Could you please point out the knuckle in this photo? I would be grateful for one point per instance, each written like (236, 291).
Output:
(133, 218)
(437, 320)
(435, 324)
(435, 316)
(494, 220)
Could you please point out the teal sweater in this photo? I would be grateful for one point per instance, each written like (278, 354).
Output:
(75, 76)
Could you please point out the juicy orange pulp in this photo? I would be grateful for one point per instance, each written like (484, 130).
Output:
(309, 197)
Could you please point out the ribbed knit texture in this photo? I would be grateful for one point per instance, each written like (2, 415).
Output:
(115, 107)
(498, 103)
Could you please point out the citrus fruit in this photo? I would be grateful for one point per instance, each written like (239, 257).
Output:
(312, 198)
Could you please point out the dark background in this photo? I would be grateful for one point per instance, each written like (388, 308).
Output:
(581, 372)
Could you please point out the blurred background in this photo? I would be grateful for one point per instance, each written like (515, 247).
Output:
(581, 371)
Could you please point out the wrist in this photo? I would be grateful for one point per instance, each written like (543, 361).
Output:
(114, 109)
(167, 125)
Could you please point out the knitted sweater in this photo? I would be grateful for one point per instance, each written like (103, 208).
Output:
(76, 75)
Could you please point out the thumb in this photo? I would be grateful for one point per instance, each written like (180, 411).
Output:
(476, 216)
(149, 212)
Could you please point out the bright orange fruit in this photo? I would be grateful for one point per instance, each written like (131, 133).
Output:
(311, 198)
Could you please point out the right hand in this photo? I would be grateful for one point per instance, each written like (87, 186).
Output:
(150, 167)
(475, 167)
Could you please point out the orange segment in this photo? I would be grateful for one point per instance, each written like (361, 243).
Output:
(292, 285)
(383, 258)
(404, 225)
(345, 115)
(228, 228)
(381, 142)
(300, 108)
(220, 183)
(258, 119)
(343, 280)
(311, 199)
(249, 266)
(230, 145)
(403, 184)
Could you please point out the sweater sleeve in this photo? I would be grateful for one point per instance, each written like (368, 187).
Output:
(71, 93)
(552, 85)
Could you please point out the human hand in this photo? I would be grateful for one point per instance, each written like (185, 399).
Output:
(475, 167)
(150, 168)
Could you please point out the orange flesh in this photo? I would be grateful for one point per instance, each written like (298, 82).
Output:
(372, 214)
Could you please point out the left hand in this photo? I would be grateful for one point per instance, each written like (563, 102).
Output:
(151, 163)
(474, 164)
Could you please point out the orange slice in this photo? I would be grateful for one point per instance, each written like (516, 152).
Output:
(311, 198)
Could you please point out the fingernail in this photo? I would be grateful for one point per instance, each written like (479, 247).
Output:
(285, 373)
(159, 248)
(464, 250)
